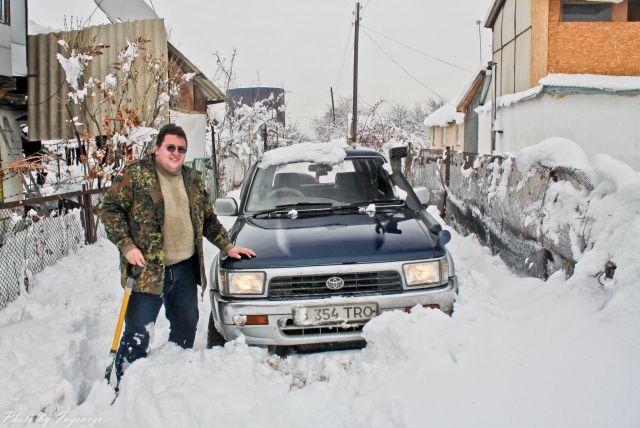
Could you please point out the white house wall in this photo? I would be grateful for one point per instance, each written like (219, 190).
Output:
(13, 41)
(598, 123)
(5, 50)
(18, 38)
(10, 151)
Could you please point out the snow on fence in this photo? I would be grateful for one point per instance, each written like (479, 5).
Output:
(36, 233)
(537, 221)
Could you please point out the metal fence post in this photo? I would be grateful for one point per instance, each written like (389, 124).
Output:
(87, 215)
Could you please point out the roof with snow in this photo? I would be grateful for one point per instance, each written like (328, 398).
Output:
(473, 86)
(592, 83)
(444, 116)
(573, 84)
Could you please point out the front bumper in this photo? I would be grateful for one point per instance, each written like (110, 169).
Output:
(281, 331)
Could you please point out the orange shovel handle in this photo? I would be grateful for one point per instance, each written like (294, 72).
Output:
(123, 311)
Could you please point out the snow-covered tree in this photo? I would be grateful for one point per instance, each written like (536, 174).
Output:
(377, 126)
(115, 116)
(240, 127)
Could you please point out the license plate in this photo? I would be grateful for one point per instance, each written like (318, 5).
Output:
(334, 314)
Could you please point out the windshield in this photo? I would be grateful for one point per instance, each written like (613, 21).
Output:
(352, 181)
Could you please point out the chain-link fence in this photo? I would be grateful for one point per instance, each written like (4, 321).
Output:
(510, 212)
(36, 233)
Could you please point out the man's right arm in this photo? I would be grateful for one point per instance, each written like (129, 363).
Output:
(114, 213)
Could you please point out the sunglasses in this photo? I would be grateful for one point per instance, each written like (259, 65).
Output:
(172, 148)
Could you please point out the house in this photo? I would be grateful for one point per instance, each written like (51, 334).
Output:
(446, 128)
(563, 68)
(51, 111)
(13, 91)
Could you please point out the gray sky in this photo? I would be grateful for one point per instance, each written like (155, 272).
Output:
(302, 44)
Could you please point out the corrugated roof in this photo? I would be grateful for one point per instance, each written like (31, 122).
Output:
(211, 92)
(48, 88)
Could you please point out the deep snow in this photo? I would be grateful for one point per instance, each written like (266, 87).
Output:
(518, 352)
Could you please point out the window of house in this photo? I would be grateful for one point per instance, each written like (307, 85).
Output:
(634, 10)
(4, 12)
(585, 12)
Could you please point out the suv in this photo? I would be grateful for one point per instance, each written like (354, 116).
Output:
(340, 237)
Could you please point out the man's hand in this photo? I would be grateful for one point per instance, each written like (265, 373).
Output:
(236, 252)
(134, 256)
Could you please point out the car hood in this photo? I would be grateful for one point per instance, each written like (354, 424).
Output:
(332, 239)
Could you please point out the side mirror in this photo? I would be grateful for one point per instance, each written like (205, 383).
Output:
(226, 207)
(443, 237)
(423, 195)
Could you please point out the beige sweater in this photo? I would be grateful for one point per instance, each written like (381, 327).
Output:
(179, 243)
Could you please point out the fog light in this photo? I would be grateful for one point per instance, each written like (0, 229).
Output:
(257, 320)
(239, 320)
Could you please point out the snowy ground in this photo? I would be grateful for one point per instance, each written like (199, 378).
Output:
(518, 352)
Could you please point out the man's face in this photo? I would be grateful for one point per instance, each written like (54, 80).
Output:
(171, 162)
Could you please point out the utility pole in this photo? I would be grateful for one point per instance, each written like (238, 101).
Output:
(214, 161)
(494, 107)
(333, 106)
(354, 114)
(478, 22)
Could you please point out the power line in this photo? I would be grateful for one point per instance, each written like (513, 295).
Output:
(416, 50)
(364, 9)
(346, 50)
(402, 68)
(94, 11)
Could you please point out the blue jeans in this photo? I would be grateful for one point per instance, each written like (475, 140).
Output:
(180, 297)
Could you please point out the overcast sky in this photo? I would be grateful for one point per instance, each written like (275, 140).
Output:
(302, 44)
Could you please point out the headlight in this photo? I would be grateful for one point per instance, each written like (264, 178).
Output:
(426, 273)
(242, 282)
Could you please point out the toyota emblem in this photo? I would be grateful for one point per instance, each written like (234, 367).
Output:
(335, 283)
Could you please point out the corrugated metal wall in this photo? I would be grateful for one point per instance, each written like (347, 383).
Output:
(48, 89)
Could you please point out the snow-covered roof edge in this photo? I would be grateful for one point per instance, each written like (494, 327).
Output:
(568, 84)
(444, 116)
(593, 81)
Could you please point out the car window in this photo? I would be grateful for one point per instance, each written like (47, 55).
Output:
(348, 182)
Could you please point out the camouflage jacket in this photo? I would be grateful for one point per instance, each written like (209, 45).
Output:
(132, 212)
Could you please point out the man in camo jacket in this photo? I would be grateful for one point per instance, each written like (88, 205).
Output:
(156, 215)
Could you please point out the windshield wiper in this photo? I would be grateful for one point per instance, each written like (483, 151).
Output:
(364, 204)
(306, 205)
(284, 209)
(388, 201)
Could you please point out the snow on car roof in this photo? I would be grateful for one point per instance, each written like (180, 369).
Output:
(330, 153)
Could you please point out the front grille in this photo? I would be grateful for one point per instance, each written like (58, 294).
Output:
(315, 286)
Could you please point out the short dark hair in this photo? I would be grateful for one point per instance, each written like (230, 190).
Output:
(171, 129)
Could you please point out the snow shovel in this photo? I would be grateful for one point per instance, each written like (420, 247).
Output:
(131, 279)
